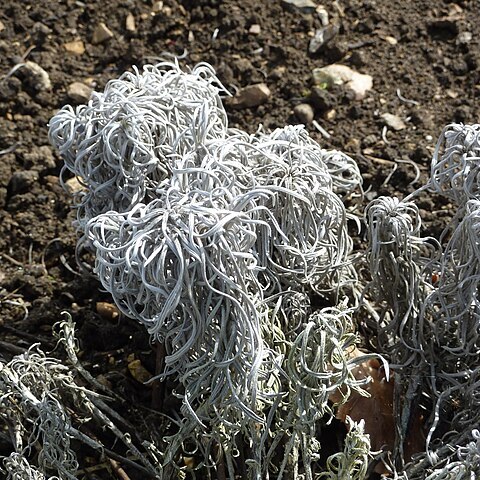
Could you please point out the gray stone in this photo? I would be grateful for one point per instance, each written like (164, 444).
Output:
(304, 112)
(251, 96)
(322, 15)
(78, 92)
(101, 34)
(322, 37)
(393, 121)
(306, 6)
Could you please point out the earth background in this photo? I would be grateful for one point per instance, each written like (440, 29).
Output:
(426, 51)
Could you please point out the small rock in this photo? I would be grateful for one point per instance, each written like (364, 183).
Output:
(338, 74)
(21, 182)
(107, 311)
(322, 99)
(370, 195)
(254, 29)
(391, 40)
(251, 96)
(304, 112)
(336, 51)
(306, 6)
(464, 38)
(36, 76)
(78, 92)
(139, 372)
(322, 36)
(393, 121)
(451, 93)
(191, 37)
(331, 115)
(73, 185)
(130, 23)
(76, 47)
(157, 7)
(2, 26)
(322, 15)
(101, 34)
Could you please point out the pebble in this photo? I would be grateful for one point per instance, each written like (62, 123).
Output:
(391, 40)
(322, 99)
(306, 6)
(101, 34)
(130, 23)
(73, 185)
(107, 310)
(157, 7)
(20, 182)
(322, 15)
(338, 74)
(464, 38)
(393, 121)
(254, 29)
(304, 112)
(78, 92)
(37, 77)
(322, 36)
(330, 115)
(76, 47)
(251, 96)
(2, 26)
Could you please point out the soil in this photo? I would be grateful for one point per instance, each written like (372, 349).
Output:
(424, 58)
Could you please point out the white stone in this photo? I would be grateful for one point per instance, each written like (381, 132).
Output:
(393, 121)
(338, 74)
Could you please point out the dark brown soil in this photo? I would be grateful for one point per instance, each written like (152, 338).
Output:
(420, 49)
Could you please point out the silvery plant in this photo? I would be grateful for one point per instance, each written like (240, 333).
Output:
(215, 240)
(429, 323)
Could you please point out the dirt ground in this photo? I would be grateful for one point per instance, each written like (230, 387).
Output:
(424, 58)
